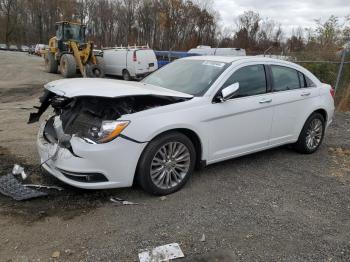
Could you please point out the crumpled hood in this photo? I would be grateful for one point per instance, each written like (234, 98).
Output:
(107, 88)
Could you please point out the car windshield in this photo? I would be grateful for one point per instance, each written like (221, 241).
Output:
(192, 77)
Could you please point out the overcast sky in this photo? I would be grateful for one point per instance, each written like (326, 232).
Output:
(289, 13)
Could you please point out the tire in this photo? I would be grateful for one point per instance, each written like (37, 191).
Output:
(68, 66)
(169, 181)
(51, 64)
(126, 75)
(311, 137)
(100, 62)
(94, 71)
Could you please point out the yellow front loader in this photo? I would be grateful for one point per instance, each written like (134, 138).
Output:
(68, 51)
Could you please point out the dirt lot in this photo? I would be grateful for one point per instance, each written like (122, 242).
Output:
(275, 205)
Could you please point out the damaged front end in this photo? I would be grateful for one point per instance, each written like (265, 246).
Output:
(74, 141)
(94, 119)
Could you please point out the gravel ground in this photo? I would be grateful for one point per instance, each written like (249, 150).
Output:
(274, 205)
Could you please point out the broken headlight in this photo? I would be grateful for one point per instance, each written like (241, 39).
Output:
(109, 130)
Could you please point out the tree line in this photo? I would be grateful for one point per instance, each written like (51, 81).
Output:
(164, 25)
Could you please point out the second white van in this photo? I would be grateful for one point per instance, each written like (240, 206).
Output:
(207, 50)
(130, 62)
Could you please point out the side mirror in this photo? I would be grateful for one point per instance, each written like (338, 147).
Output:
(229, 91)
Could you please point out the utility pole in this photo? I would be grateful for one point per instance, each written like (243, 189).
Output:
(345, 50)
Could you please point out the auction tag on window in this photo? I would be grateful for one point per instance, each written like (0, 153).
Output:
(213, 63)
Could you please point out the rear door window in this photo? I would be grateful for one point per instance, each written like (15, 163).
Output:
(251, 79)
(284, 78)
(305, 81)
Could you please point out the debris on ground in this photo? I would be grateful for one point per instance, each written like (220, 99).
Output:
(202, 238)
(11, 186)
(163, 198)
(121, 201)
(161, 253)
(55, 254)
(19, 170)
(43, 186)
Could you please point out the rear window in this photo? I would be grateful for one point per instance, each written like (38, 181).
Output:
(284, 78)
(305, 81)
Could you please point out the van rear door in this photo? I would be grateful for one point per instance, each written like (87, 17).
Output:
(145, 61)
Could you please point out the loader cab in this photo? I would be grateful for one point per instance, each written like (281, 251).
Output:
(68, 31)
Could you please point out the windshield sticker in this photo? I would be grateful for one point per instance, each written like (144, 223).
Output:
(213, 63)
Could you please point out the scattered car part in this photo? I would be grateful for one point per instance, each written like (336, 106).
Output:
(121, 201)
(11, 186)
(43, 186)
(162, 253)
(19, 170)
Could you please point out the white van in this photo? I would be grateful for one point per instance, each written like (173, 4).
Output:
(129, 62)
(207, 50)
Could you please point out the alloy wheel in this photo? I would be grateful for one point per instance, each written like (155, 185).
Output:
(170, 165)
(314, 134)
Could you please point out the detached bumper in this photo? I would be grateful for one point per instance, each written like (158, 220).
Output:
(92, 166)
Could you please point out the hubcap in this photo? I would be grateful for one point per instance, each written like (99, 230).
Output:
(170, 165)
(314, 134)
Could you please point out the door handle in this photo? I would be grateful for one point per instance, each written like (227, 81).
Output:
(305, 94)
(265, 100)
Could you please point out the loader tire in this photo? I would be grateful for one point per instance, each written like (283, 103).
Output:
(94, 71)
(51, 64)
(101, 62)
(68, 66)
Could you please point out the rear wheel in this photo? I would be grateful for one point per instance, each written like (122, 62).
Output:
(68, 66)
(166, 164)
(51, 64)
(311, 135)
(126, 75)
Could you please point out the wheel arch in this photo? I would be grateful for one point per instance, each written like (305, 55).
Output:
(192, 135)
(321, 111)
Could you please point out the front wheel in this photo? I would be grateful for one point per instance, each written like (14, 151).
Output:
(311, 135)
(166, 164)
(68, 66)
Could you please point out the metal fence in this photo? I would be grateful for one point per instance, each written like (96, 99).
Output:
(333, 69)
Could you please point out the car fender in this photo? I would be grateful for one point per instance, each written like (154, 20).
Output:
(146, 128)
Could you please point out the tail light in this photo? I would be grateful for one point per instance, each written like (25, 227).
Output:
(332, 91)
(134, 58)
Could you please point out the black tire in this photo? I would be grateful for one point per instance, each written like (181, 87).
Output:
(94, 71)
(68, 66)
(126, 75)
(302, 145)
(51, 64)
(143, 173)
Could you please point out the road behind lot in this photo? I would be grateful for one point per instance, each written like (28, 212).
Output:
(274, 205)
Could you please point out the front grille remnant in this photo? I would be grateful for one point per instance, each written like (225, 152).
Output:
(10, 186)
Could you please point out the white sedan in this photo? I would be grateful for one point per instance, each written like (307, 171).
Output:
(193, 112)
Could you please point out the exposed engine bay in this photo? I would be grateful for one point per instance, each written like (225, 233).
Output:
(83, 116)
